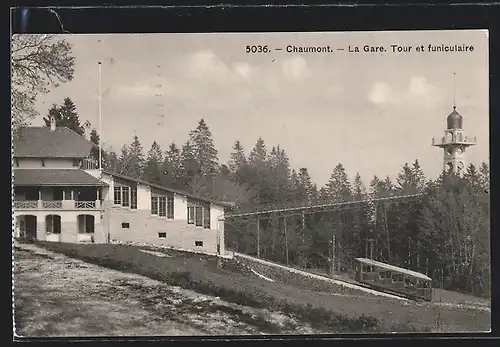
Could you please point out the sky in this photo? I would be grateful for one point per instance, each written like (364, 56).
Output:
(370, 111)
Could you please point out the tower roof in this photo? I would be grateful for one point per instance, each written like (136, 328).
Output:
(454, 120)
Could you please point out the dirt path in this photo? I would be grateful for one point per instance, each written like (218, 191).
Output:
(59, 296)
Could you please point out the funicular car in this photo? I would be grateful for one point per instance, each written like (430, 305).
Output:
(400, 281)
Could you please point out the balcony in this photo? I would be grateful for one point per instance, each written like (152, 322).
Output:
(455, 140)
(57, 205)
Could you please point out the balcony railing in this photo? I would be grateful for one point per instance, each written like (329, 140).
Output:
(26, 204)
(52, 204)
(452, 140)
(57, 204)
(84, 204)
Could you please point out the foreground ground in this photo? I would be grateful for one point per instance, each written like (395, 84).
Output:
(59, 296)
(102, 301)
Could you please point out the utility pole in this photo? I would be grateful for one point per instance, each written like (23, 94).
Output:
(418, 255)
(332, 265)
(258, 237)
(409, 251)
(386, 225)
(302, 260)
(286, 241)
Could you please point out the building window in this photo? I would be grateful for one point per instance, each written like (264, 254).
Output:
(190, 214)
(206, 217)
(198, 243)
(125, 225)
(198, 216)
(133, 198)
(162, 206)
(154, 205)
(170, 207)
(125, 196)
(117, 196)
(162, 235)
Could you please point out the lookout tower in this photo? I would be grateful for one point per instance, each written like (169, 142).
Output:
(454, 143)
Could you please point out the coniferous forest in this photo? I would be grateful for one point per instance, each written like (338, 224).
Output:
(445, 233)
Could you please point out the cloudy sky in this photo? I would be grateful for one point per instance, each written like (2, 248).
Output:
(372, 112)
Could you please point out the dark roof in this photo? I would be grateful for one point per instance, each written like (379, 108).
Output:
(393, 268)
(41, 142)
(172, 190)
(54, 177)
(454, 120)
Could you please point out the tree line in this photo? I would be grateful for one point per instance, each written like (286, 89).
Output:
(444, 233)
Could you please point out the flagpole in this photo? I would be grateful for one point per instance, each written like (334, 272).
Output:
(100, 114)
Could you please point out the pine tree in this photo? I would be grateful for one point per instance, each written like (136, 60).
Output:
(132, 159)
(237, 158)
(258, 155)
(189, 165)
(66, 115)
(203, 149)
(306, 186)
(418, 173)
(123, 160)
(405, 180)
(278, 175)
(258, 174)
(152, 168)
(171, 168)
(94, 152)
(338, 187)
(410, 180)
(362, 230)
(484, 174)
(111, 162)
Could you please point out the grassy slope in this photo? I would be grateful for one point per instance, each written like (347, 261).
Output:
(332, 313)
(53, 298)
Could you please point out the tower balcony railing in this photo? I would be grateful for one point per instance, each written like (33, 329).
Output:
(437, 141)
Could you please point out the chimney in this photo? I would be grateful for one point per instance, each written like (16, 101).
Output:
(52, 123)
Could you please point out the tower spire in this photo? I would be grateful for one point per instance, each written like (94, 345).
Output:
(454, 90)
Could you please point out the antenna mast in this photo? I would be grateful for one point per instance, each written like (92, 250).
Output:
(454, 90)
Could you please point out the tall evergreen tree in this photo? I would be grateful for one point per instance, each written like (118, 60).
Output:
(338, 187)
(279, 175)
(123, 160)
(66, 115)
(484, 174)
(171, 168)
(306, 186)
(258, 173)
(237, 158)
(152, 168)
(362, 230)
(94, 152)
(111, 162)
(132, 159)
(189, 164)
(203, 149)
(258, 155)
